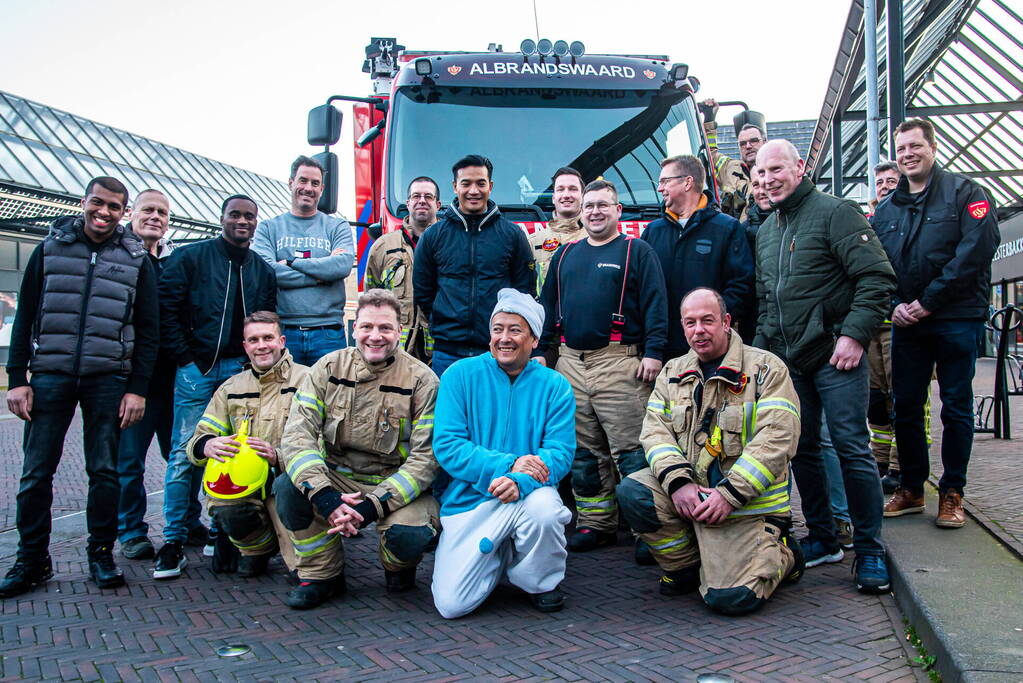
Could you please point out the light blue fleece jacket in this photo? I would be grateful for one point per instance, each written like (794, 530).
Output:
(311, 289)
(483, 422)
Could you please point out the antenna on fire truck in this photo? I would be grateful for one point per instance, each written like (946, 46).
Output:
(536, 22)
(382, 63)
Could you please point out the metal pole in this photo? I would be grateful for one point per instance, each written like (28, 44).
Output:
(837, 181)
(896, 72)
(870, 35)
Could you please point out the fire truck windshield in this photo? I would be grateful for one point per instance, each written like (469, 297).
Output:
(528, 133)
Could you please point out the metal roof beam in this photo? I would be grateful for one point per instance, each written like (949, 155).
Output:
(946, 110)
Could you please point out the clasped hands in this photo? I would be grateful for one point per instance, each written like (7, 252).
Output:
(506, 490)
(711, 510)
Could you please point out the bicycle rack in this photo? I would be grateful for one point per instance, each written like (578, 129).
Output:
(982, 408)
(1006, 320)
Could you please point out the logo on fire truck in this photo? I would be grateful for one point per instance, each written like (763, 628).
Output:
(454, 70)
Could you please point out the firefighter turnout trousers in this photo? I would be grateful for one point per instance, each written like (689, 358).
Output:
(742, 560)
(879, 413)
(253, 526)
(610, 406)
(405, 534)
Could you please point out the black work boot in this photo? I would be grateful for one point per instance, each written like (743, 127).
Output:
(253, 565)
(680, 581)
(401, 580)
(642, 554)
(585, 539)
(102, 568)
(551, 601)
(796, 573)
(26, 575)
(311, 593)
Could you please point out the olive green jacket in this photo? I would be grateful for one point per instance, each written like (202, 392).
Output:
(821, 274)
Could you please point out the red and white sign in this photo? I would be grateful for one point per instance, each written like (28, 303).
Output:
(978, 209)
(629, 228)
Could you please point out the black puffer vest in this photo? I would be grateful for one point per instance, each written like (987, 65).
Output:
(85, 326)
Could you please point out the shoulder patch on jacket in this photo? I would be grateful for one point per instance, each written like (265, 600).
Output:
(978, 209)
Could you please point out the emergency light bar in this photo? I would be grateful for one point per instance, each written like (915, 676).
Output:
(544, 47)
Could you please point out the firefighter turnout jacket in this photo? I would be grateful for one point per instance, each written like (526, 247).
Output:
(263, 398)
(547, 240)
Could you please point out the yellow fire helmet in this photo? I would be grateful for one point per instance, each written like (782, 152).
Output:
(239, 476)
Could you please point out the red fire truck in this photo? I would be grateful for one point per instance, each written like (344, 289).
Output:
(530, 112)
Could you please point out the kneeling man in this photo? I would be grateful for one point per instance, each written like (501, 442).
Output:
(357, 449)
(261, 394)
(721, 426)
(505, 437)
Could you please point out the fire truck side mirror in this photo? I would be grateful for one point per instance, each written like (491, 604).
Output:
(328, 200)
(324, 125)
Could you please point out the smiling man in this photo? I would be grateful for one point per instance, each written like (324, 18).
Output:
(824, 281)
(311, 254)
(357, 450)
(505, 437)
(605, 298)
(391, 259)
(565, 226)
(262, 394)
(940, 230)
(720, 429)
(150, 217)
(87, 329)
(698, 246)
(462, 262)
(206, 291)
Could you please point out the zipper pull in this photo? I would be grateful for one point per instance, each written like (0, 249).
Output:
(92, 260)
(792, 245)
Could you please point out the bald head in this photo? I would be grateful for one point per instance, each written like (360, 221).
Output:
(780, 169)
(705, 323)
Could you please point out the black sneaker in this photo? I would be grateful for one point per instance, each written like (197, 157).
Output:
(309, 594)
(24, 576)
(871, 573)
(169, 561)
(400, 581)
(680, 581)
(253, 565)
(102, 568)
(198, 537)
(138, 548)
(585, 539)
(551, 601)
(815, 552)
(642, 555)
(890, 482)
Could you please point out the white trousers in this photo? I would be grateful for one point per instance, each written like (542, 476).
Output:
(523, 541)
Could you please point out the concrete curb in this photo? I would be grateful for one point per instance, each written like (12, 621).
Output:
(970, 630)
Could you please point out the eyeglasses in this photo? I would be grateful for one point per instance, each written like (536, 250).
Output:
(602, 207)
(664, 181)
(417, 196)
(750, 142)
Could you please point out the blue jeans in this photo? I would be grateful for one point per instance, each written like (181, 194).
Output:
(442, 360)
(836, 485)
(192, 392)
(310, 345)
(952, 346)
(53, 406)
(157, 421)
(842, 396)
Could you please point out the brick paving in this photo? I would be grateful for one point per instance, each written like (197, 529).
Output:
(818, 629)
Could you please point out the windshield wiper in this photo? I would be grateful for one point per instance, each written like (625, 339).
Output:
(524, 208)
(644, 210)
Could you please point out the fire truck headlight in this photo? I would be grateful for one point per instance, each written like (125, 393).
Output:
(544, 46)
(679, 72)
(561, 48)
(423, 67)
(576, 49)
(527, 47)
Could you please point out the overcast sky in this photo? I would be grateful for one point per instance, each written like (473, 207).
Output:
(234, 80)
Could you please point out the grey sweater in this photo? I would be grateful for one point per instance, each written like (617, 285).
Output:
(311, 288)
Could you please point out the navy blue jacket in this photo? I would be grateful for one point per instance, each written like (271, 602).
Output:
(710, 251)
(460, 264)
(940, 243)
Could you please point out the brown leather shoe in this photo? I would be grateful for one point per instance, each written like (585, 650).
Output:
(903, 502)
(950, 510)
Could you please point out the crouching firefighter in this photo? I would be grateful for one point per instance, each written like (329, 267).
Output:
(605, 300)
(371, 406)
(721, 426)
(237, 441)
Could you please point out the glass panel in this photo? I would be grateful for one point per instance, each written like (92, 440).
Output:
(8, 254)
(5, 113)
(25, 250)
(74, 137)
(12, 168)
